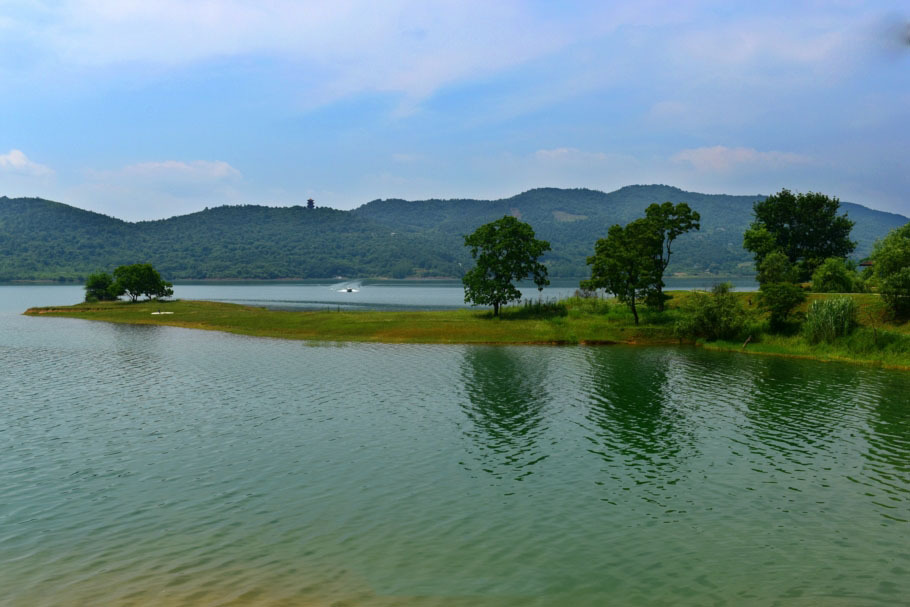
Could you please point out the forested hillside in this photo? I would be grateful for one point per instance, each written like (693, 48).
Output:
(40, 239)
(572, 220)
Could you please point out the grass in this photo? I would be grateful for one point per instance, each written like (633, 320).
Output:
(548, 324)
(573, 321)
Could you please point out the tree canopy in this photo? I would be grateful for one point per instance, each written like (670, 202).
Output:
(891, 269)
(140, 279)
(668, 221)
(505, 251)
(804, 227)
(99, 286)
(624, 264)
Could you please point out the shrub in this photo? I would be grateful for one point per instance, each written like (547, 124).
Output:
(895, 290)
(718, 315)
(829, 319)
(835, 275)
(779, 299)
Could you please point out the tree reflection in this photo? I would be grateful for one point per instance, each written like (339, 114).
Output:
(888, 437)
(636, 424)
(796, 409)
(505, 399)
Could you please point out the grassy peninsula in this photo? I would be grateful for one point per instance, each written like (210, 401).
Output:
(573, 321)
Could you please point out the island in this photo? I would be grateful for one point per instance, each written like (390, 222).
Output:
(573, 321)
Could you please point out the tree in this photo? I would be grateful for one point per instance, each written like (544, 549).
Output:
(624, 263)
(140, 279)
(891, 269)
(668, 221)
(804, 227)
(505, 251)
(775, 267)
(99, 287)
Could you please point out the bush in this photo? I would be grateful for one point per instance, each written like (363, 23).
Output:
(835, 275)
(779, 299)
(718, 315)
(895, 290)
(829, 319)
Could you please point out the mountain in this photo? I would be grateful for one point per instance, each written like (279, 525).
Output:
(572, 220)
(41, 239)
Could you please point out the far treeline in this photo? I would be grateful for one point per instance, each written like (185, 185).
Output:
(45, 240)
(800, 244)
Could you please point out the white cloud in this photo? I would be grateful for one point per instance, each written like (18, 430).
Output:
(171, 172)
(15, 161)
(719, 159)
(344, 47)
(176, 170)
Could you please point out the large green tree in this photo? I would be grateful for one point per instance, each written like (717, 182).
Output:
(804, 227)
(140, 279)
(891, 269)
(99, 286)
(624, 263)
(505, 252)
(668, 221)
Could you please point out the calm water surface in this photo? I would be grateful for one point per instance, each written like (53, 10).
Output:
(162, 466)
(383, 294)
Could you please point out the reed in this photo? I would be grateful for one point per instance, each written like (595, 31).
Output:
(828, 319)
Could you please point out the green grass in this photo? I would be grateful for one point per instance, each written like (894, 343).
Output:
(573, 321)
(517, 325)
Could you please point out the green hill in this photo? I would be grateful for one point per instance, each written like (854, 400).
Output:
(40, 239)
(572, 220)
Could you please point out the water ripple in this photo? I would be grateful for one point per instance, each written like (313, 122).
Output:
(154, 465)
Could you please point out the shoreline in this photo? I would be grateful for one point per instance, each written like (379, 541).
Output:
(333, 279)
(575, 325)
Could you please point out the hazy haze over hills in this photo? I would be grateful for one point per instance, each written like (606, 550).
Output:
(40, 239)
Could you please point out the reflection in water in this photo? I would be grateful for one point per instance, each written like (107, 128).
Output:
(637, 425)
(506, 392)
(168, 466)
(888, 456)
(795, 411)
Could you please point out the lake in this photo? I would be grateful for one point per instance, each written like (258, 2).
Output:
(162, 466)
(383, 294)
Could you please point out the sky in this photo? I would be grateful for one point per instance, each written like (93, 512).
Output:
(145, 110)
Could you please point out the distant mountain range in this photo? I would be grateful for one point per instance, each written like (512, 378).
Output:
(41, 239)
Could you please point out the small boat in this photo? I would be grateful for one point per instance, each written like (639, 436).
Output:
(349, 290)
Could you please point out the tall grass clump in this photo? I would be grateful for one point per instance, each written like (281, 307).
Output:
(829, 319)
(536, 308)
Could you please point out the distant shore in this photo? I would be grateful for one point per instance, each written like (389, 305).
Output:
(75, 281)
(574, 322)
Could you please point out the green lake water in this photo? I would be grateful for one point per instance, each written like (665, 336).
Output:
(163, 466)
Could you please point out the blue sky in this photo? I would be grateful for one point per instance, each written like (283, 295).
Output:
(144, 110)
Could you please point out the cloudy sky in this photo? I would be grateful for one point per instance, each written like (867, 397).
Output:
(142, 109)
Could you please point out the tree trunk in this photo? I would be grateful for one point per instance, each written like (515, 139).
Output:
(634, 312)
(495, 308)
